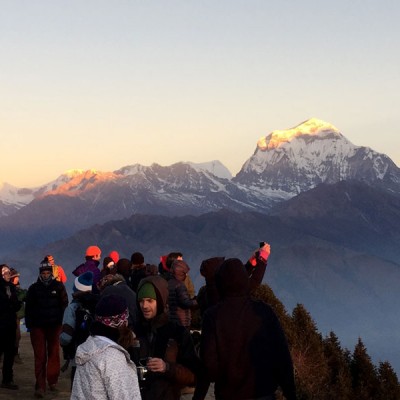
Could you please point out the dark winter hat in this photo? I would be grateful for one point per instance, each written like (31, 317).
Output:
(112, 311)
(147, 291)
(84, 282)
(137, 258)
(123, 266)
(45, 266)
(108, 262)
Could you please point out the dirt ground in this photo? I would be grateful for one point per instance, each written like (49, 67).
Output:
(24, 377)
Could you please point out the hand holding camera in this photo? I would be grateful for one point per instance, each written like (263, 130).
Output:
(264, 251)
(156, 364)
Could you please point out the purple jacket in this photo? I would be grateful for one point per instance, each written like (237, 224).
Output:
(89, 265)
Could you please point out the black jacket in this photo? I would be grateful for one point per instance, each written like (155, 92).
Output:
(9, 305)
(243, 346)
(45, 304)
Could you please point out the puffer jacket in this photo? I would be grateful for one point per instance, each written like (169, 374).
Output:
(104, 371)
(45, 304)
(180, 303)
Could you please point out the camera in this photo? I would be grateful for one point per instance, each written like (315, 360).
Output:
(141, 372)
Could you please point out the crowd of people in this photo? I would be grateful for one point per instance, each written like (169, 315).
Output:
(126, 331)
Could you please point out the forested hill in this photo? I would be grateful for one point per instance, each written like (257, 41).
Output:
(324, 370)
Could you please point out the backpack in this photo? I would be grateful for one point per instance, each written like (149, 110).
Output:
(84, 319)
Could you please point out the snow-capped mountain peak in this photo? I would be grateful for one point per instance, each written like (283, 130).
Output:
(215, 167)
(312, 127)
(300, 158)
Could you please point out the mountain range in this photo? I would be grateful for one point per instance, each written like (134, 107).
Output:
(330, 209)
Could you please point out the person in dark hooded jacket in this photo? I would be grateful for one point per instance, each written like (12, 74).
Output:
(9, 305)
(255, 266)
(243, 347)
(166, 348)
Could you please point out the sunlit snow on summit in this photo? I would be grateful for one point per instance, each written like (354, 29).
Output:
(312, 127)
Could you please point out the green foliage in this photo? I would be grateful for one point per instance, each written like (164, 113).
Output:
(339, 376)
(265, 293)
(323, 369)
(364, 375)
(311, 367)
(389, 388)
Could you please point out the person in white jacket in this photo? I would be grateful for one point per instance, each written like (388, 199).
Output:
(104, 368)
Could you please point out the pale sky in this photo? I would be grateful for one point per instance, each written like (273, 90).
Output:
(105, 84)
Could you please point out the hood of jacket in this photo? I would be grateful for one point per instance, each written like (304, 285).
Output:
(180, 269)
(232, 279)
(95, 345)
(161, 289)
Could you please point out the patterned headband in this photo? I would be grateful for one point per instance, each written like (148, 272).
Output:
(114, 321)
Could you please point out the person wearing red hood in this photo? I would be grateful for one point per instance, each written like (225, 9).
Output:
(249, 360)
(114, 255)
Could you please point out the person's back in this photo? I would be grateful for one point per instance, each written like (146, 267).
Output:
(77, 318)
(104, 368)
(247, 360)
(179, 301)
(117, 284)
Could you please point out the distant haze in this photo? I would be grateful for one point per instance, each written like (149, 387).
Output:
(98, 85)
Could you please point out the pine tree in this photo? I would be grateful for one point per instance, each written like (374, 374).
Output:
(311, 368)
(389, 388)
(266, 294)
(339, 369)
(364, 375)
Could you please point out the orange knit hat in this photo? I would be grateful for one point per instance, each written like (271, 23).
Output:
(92, 251)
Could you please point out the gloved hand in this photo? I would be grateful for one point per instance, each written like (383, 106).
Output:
(261, 253)
(264, 251)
